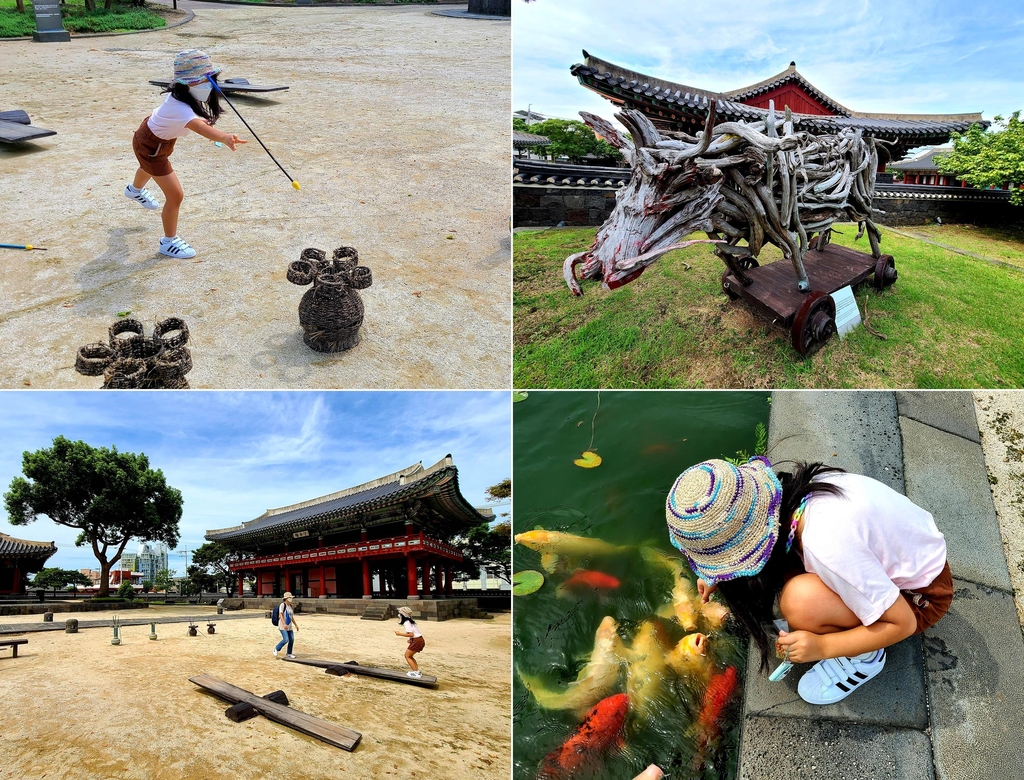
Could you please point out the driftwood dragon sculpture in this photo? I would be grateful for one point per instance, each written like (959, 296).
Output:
(735, 181)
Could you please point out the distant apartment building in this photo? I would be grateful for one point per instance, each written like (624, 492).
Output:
(151, 558)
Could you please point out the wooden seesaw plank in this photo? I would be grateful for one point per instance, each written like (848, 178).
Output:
(331, 733)
(229, 85)
(369, 671)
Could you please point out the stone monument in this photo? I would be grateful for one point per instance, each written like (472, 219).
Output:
(49, 27)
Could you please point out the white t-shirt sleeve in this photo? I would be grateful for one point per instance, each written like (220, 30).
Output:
(863, 586)
(170, 117)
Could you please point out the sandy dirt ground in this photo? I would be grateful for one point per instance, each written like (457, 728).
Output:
(1001, 421)
(396, 127)
(77, 707)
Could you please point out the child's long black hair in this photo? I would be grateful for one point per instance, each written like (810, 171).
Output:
(209, 111)
(752, 599)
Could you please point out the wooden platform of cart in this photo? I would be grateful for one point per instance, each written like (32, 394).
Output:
(773, 290)
(331, 733)
(351, 667)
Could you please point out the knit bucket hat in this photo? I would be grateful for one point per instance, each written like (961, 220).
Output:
(725, 518)
(192, 67)
(405, 611)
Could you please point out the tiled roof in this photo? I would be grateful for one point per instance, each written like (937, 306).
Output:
(438, 483)
(923, 161)
(22, 548)
(657, 96)
(790, 74)
(521, 139)
(565, 175)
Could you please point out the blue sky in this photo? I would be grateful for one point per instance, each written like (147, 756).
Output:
(896, 56)
(235, 454)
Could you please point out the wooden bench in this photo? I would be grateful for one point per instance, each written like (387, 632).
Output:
(16, 127)
(13, 644)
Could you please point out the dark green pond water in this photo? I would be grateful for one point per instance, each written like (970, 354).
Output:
(645, 439)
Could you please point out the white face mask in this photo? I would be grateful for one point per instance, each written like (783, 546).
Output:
(201, 92)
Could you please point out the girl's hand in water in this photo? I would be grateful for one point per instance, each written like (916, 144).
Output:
(705, 590)
(653, 772)
(803, 646)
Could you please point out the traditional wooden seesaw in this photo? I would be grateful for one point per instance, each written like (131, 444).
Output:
(341, 668)
(275, 706)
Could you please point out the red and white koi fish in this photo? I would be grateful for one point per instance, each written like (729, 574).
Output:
(600, 730)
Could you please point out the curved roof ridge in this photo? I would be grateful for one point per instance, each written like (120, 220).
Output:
(27, 542)
(789, 74)
(617, 70)
(969, 117)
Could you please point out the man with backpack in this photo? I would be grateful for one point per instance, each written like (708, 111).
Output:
(284, 618)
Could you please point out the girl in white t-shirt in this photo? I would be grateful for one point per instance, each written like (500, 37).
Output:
(859, 566)
(192, 104)
(416, 641)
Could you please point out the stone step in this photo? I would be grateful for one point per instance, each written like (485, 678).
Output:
(376, 612)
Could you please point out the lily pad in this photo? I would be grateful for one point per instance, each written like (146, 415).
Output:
(588, 460)
(526, 582)
(519, 395)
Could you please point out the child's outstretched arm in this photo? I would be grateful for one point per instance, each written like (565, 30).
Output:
(209, 131)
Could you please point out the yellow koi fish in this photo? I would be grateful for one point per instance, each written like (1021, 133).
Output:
(689, 658)
(685, 601)
(648, 671)
(594, 681)
(557, 548)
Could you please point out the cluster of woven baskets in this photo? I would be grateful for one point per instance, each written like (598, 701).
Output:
(130, 360)
(331, 312)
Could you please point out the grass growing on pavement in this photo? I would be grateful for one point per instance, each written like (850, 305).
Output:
(122, 16)
(951, 321)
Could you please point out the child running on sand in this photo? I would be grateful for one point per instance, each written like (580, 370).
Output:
(416, 642)
(861, 568)
(194, 105)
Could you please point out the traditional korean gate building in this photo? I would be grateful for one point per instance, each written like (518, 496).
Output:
(396, 530)
(18, 559)
(673, 106)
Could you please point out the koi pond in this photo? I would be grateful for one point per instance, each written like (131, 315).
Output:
(617, 665)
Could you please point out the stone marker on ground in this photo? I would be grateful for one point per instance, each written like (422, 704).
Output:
(49, 26)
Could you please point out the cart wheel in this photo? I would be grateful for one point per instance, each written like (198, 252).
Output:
(746, 263)
(814, 323)
(885, 272)
(727, 286)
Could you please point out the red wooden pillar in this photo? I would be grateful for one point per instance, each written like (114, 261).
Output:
(447, 580)
(323, 583)
(427, 590)
(410, 563)
(367, 582)
(241, 580)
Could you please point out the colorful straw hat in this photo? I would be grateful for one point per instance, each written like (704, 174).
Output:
(192, 67)
(725, 518)
(405, 611)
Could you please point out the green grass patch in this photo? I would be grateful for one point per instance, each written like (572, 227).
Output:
(951, 321)
(1005, 244)
(121, 17)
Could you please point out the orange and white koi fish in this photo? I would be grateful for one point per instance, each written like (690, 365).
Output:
(595, 679)
(600, 730)
(562, 549)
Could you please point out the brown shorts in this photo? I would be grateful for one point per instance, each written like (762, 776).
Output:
(416, 644)
(152, 152)
(931, 603)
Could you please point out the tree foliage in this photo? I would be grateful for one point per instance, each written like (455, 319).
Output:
(571, 138)
(499, 492)
(55, 578)
(163, 580)
(214, 561)
(487, 547)
(989, 158)
(126, 590)
(109, 496)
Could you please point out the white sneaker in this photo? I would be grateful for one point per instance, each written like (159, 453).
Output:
(414, 674)
(275, 654)
(834, 679)
(141, 196)
(289, 656)
(176, 247)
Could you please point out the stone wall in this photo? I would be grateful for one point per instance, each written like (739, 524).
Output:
(422, 609)
(69, 606)
(538, 206)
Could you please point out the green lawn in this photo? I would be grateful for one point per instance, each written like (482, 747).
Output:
(1003, 244)
(951, 321)
(78, 19)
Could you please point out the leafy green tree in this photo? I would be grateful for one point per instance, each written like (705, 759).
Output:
(126, 590)
(147, 586)
(55, 578)
(989, 158)
(488, 547)
(200, 580)
(520, 125)
(110, 496)
(215, 560)
(499, 492)
(163, 580)
(573, 139)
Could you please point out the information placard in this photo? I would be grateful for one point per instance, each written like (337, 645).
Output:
(49, 25)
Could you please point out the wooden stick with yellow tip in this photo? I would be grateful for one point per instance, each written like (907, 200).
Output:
(216, 86)
(23, 246)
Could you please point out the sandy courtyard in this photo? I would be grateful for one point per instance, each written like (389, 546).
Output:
(77, 707)
(396, 126)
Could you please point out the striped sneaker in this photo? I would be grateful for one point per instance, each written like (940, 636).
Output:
(834, 679)
(141, 196)
(176, 247)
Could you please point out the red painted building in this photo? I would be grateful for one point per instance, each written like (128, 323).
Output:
(922, 169)
(395, 531)
(18, 559)
(673, 106)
